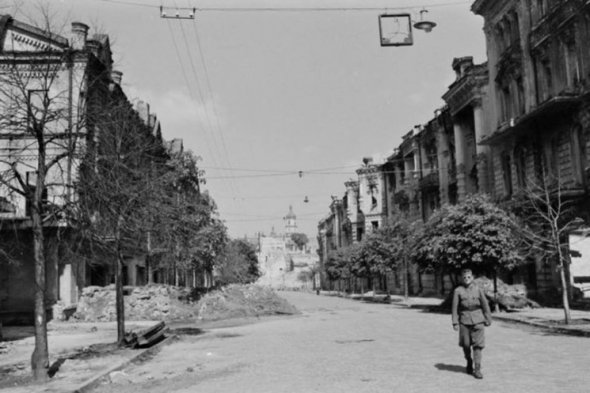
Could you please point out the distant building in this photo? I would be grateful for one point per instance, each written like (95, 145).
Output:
(290, 222)
(281, 262)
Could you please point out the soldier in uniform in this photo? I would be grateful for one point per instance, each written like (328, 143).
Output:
(471, 313)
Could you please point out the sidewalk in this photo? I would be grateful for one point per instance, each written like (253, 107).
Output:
(86, 351)
(546, 318)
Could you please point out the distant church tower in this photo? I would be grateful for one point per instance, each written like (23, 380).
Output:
(290, 221)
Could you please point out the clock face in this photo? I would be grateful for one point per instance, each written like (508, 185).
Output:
(395, 30)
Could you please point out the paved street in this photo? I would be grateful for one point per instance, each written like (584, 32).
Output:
(340, 345)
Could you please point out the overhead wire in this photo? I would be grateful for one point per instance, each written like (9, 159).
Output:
(296, 9)
(186, 80)
(208, 144)
(221, 153)
(213, 102)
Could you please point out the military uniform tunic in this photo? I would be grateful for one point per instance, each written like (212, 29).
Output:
(471, 312)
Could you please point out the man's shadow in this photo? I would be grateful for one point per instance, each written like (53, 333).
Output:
(450, 367)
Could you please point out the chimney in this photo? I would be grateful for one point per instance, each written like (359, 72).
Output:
(367, 160)
(143, 110)
(79, 34)
(461, 64)
(116, 76)
(93, 46)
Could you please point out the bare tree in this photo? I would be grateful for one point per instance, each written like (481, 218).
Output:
(548, 217)
(38, 133)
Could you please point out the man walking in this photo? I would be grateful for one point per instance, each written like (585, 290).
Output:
(471, 313)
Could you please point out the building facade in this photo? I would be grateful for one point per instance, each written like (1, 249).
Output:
(520, 119)
(539, 109)
(61, 84)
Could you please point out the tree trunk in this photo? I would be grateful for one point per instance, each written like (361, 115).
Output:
(120, 303)
(40, 357)
(564, 286)
(406, 280)
(564, 297)
(496, 305)
(148, 259)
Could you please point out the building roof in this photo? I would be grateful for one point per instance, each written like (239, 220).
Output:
(7, 21)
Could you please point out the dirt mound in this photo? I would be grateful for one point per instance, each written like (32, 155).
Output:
(238, 301)
(151, 302)
(509, 296)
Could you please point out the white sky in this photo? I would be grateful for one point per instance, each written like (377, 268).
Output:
(271, 93)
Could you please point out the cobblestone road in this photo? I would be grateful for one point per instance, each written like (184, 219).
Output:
(340, 345)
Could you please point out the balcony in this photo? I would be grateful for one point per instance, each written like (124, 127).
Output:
(429, 181)
(553, 108)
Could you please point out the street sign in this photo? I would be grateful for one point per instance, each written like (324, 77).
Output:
(395, 30)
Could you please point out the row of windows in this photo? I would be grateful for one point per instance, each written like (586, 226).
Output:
(557, 69)
(545, 161)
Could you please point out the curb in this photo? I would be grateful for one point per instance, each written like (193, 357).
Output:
(556, 329)
(541, 325)
(92, 382)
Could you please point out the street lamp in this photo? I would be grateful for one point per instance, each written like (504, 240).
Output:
(425, 25)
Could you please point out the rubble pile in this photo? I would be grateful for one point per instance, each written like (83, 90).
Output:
(5, 347)
(238, 301)
(509, 297)
(151, 302)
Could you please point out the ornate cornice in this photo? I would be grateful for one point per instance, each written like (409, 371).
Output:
(369, 169)
(467, 90)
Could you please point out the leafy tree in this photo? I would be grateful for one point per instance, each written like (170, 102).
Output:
(119, 181)
(238, 265)
(300, 239)
(475, 233)
(182, 217)
(207, 248)
(339, 264)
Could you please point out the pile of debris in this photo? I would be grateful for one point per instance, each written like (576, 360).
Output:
(5, 347)
(151, 302)
(508, 297)
(146, 337)
(239, 301)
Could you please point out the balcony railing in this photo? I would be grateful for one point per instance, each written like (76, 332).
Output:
(429, 181)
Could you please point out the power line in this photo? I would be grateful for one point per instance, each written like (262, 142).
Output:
(213, 103)
(184, 74)
(414, 171)
(222, 153)
(325, 9)
(295, 9)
